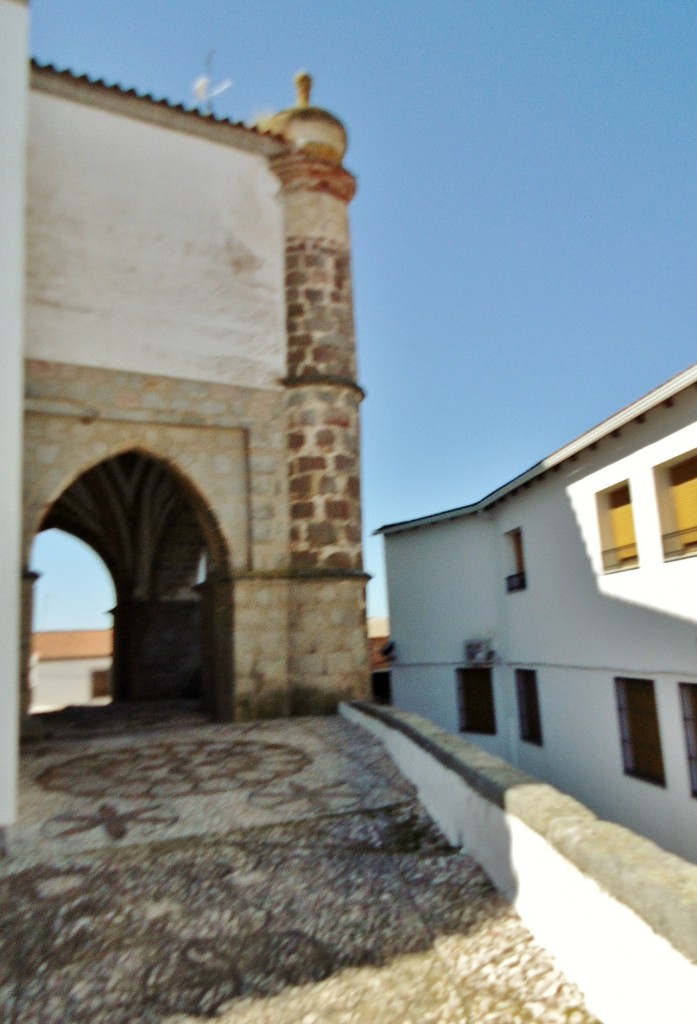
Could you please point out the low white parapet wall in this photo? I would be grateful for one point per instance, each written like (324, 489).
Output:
(618, 913)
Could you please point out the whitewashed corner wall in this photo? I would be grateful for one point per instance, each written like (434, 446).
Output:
(186, 274)
(13, 90)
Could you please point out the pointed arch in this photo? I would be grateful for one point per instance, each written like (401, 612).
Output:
(153, 530)
(218, 550)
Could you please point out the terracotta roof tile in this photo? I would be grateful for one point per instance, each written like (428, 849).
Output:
(59, 645)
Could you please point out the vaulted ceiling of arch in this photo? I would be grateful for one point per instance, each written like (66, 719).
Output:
(134, 513)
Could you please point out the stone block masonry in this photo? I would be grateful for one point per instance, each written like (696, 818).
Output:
(218, 478)
(328, 654)
(228, 441)
(327, 640)
(226, 445)
(323, 477)
(320, 310)
(261, 648)
(322, 401)
(296, 644)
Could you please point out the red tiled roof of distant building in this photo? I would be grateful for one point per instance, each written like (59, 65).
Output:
(60, 645)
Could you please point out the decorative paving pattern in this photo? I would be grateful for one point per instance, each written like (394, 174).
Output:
(181, 777)
(175, 768)
(330, 799)
(320, 892)
(114, 822)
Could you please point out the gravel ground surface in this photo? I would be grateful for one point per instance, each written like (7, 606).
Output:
(169, 871)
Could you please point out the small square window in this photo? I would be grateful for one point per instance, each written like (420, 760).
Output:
(475, 693)
(617, 534)
(515, 559)
(640, 735)
(528, 706)
(688, 697)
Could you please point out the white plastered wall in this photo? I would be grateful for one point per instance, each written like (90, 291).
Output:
(57, 683)
(576, 626)
(13, 89)
(150, 249)
(656, 584)
(442, 593)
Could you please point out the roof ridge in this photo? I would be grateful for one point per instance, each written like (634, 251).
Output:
(662, 393)
(147, 97)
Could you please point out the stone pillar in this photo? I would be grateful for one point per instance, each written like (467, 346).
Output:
(261, 645)
(328, 657)
(217, 696)
(322, 394)
(157, 650)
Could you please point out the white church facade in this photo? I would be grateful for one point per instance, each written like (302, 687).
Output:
(554, 623)
(178, 390)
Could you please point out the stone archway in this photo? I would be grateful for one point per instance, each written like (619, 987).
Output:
(168, 561)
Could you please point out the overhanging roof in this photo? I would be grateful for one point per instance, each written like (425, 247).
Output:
(663, 393)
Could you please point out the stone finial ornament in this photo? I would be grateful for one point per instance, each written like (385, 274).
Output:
(303, 87)
(312, 130)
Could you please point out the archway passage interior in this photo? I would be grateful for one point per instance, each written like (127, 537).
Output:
(172, 621)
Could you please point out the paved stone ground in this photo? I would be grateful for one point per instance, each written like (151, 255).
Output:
(167, 871)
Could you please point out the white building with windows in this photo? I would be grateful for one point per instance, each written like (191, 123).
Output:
(71, 666)
(554, 622)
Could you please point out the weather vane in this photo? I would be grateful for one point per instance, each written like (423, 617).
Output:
(204, 90)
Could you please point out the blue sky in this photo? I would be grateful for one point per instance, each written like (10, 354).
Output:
(525, 231)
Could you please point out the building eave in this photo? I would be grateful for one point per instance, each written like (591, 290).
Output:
(663, 393)
(95, 92)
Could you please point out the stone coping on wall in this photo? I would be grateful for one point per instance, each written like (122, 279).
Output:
(658, 886)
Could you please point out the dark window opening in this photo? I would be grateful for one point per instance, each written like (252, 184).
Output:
(381, 683)
(516, 579)
(528, 706)
(688, 697)
(641, 739)
(475, 694)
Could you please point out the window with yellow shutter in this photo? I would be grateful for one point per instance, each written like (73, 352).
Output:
(677, 499)
(619, 547)
(683, 486)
